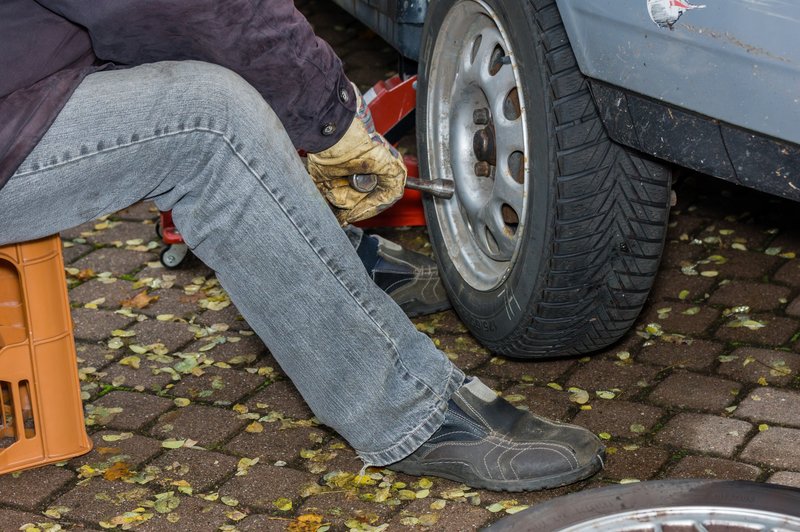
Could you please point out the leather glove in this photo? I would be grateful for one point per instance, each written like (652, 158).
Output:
(360, 151)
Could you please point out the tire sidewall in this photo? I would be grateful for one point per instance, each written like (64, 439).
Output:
(503, 312)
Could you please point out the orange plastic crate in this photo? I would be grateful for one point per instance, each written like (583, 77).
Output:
(42, 417)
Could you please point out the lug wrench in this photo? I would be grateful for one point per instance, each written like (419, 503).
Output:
(441, 188)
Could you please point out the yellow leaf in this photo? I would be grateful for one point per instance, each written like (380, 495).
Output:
(181, 401)
(172, 444)
(132, 361)
(283, 504)
(762, 381)
(95, 302)
(254, 427)
(555, 386)
(604, 436)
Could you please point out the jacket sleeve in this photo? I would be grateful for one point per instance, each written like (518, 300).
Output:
(268, 42)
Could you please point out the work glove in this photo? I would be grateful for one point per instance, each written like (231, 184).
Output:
(360, 151)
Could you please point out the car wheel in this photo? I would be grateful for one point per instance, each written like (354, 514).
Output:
(552, 240)
(674, 505)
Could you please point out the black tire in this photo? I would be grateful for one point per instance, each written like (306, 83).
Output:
(638, 507)
(597, 212)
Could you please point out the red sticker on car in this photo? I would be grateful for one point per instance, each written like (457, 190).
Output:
(666, 13)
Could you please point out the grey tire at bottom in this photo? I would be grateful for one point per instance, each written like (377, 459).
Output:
(552, 241)
(674, 505)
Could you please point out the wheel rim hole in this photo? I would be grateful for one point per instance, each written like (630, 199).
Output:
(511, 107)
(497, 60)
(516, 166)
(476, 45)
(510, 218)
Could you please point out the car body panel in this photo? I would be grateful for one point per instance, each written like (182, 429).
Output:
(737, 61)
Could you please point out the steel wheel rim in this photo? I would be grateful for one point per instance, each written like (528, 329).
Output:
(475, 69)
(690, 518)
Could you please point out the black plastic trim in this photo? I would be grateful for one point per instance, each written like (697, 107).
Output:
(698, 142)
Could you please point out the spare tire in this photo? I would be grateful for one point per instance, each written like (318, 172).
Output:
(553, 239)
(669, 505)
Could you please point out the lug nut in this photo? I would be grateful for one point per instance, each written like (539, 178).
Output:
(480, 116)
(482, 169)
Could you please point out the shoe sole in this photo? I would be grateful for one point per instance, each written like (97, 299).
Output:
(415, 309)
(540, 483)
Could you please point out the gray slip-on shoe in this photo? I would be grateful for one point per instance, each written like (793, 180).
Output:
(485, 442)
(410, 278)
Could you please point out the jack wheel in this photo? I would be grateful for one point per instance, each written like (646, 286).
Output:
(173, 255)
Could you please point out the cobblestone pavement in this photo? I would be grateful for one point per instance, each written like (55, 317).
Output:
(196, 428)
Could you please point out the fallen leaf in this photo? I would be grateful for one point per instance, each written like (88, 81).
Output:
(139, 301)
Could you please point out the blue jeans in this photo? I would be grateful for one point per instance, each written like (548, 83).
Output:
(197, 139)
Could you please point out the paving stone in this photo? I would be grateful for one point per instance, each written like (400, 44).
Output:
(114, 260)
(174, 301)
(138, 409)
(248, 345)
(775, 367)
(201, 469)
(72, 252)
(675, 321)
(543, 401)
(134, 450)
(180, 276)
(335, 455)
(757, 296)
(339, 508)
(265, 483)
(776, 331)
(684, 389)
(75, 232)
(193, 514)
(280, 396)
(771, 405)
(465, 352)
(173, 335)
(28, 489)
(144, 210)
(617, 417)
(454, 516)
(529, 371)
(698, 355)
(786, 478)
(147, 377)
(745, 265)
(98, 500)
(223, 386)
(229, 315)
(704, 433)
(262, 523)
(776, 447)
(716, 468)
(122, 231)
(793, 309)
(275, 444)
(605, 375)
(677, 254)
(789, 273)
(641, 463)
(207, 425)
(95, 325)
(670, 283)
(95, 355)
(13, 519)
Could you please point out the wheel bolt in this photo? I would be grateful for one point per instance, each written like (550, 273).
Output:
(482, 169)
(480, 116)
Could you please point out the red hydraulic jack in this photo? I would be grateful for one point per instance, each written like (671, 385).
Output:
(390, 101)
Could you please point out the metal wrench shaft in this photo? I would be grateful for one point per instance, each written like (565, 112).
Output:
(441, 188)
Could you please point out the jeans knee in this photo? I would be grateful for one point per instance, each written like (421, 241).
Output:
(217, 98)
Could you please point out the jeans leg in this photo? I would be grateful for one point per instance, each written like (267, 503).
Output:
(199, 140)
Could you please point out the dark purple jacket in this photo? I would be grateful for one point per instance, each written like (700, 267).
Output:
(48, 46)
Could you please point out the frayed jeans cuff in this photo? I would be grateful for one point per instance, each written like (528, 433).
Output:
(412, 440)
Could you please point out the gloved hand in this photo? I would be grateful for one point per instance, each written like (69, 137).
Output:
(360, 151)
